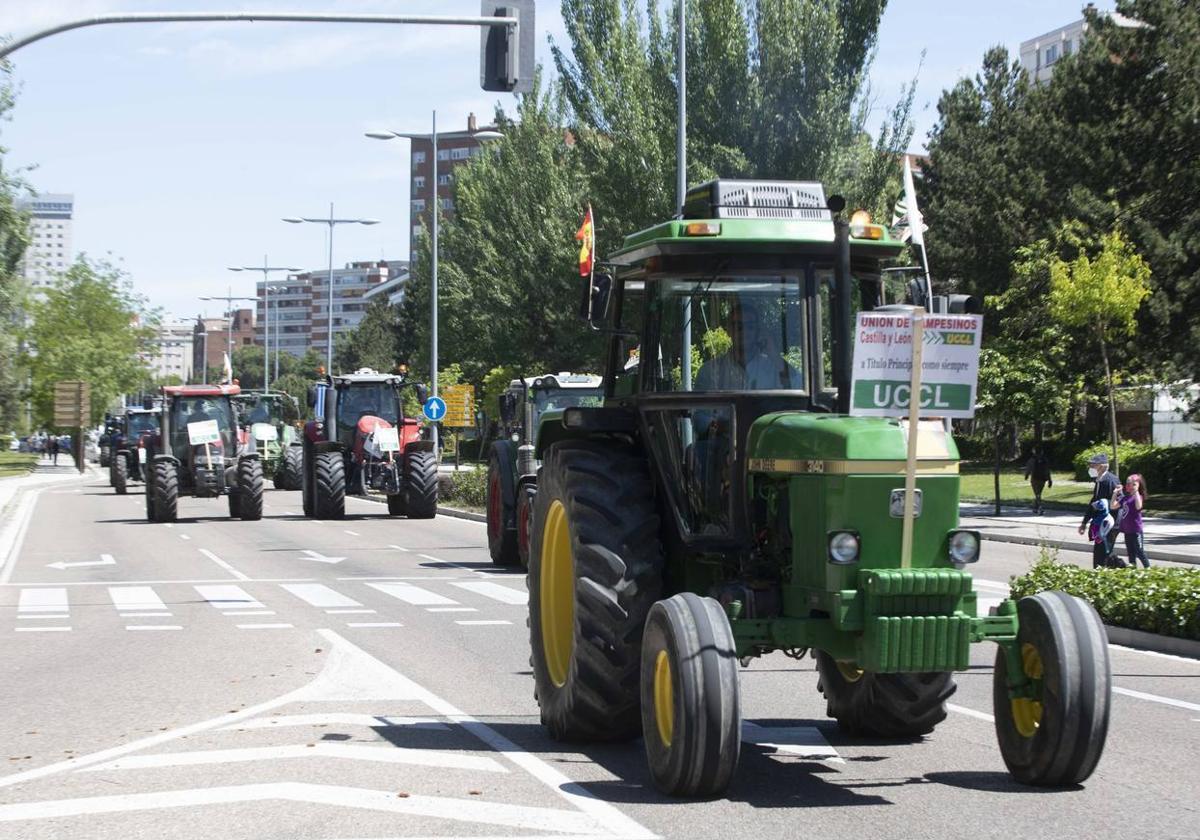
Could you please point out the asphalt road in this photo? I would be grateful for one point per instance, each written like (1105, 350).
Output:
(369, 678)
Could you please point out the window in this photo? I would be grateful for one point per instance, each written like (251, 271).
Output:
(418, 157)
(418, 205)
(443, 154)
(1067, 47)
(447, 204)
(419, 182)
(460, 154)
(416, 231)
(445, 180)
(1051, 54)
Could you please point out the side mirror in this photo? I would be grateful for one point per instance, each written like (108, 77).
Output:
(312, 396)
(508, 404)
(593, 307)
(422, 392)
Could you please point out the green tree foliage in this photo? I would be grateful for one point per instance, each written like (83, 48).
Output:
(373, 343)
(14, 239)
(247, 367)
(90, 325)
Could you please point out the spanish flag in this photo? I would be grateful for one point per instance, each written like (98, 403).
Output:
(587, 250)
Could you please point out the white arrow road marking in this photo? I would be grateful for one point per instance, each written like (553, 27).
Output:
(494, 591)
(383, 755)
(803, 741)
(105, 560)
(320, 558)
(346, 718)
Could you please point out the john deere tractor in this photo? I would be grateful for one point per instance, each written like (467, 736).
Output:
(195, 453)
(359, 440)
(722, 504)
(127, 453)
(512, 467)
(268, 422)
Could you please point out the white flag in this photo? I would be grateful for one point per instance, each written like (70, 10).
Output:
(228, 378)
(916, 224)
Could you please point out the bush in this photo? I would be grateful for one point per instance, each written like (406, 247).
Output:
(467, 487)
(1166, 469)
(1157, 600)
(5, 442)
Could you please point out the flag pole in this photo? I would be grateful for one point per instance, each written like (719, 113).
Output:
(914, 419)
(915, 224)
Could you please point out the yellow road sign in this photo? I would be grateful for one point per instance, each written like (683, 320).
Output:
(460, 406)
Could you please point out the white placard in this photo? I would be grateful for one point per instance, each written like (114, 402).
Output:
(882, 366)
(203, 431)
(387, 440)
(264, 432)
(141, 454)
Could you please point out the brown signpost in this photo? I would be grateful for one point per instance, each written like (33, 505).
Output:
(73, 410)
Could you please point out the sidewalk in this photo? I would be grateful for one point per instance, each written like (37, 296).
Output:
(44, 472)
(1174, 540)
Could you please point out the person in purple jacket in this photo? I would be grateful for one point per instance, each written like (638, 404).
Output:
(1131, 499)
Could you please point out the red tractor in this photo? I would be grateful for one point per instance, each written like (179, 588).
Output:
(359, 440)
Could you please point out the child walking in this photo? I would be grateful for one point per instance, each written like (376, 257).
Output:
(1131, 501)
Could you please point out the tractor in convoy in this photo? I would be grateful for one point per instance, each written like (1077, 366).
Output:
(112, 427)
(512, 467)
(359, 440)
(723, 504)
(268, 422)
(194, 452)
(127, 453)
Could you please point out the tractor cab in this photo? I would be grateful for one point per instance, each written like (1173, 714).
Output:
(127, 446)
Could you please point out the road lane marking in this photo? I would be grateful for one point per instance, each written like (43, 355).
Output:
(51, 600)
(430, 557)
(347, 718)
(171, 581)
(383, 755)
(1156, 698)
(450, 609)
(105, 560)
(248, 612)
(319, 557)
(481, 622)
(265, 626)
(963, 710)
(146, 615)
(135, 598)
(412, 594)
(319, 595)
(223, 564)
(41, 629)
(350, 612)
(353, 533)
(153, 627)
(13, 536)
(398, 547)
(228, 597)
(495, 591)
(184, 537)
(373, 624)
(804, 741)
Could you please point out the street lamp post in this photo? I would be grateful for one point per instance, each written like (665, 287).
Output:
(229, 300)
(266, 270)
(332, 222)
(433, 246)
(204, 358)
(276, 342)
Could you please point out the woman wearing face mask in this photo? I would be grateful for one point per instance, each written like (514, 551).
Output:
(1106, 485)
(1131, 500)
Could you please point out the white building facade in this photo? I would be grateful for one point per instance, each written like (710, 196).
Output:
(1040, 55)
(173, 350)
(50, 252)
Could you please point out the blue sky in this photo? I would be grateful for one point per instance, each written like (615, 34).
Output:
(185, 144)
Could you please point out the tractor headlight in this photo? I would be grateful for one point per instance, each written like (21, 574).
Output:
(964, 547)
(843, 547)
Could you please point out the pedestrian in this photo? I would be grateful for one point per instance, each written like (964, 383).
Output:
(1129, 522)
(53, 445)
(1037, 471)
(1104, 488)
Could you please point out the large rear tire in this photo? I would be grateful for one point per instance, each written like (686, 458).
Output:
(308, 483)
(118, 473)
(290, 475)
(526, 494)
(1055, 737)
(166, 491)
(151, 516)
(250, 489)
(883, 705)
(329, 486)
(595, 570)
(501, 533)
(691, 709)
(420, 485)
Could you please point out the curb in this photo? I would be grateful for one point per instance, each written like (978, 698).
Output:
(1141, 640)
(1074, 545)
(442, 511)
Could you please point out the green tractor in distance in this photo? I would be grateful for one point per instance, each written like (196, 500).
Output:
(268, 420)
(722, 504)
(512, 467)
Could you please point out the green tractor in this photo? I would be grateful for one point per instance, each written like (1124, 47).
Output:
(268, 420)
(721, 504)
(512, 467)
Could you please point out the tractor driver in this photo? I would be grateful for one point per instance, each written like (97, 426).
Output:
(753, 361)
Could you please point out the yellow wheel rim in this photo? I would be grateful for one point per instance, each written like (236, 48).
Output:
(664, 698)
(557, 588)
(849, 672)
(1027, 712)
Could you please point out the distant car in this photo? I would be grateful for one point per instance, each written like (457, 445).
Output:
(14, 445)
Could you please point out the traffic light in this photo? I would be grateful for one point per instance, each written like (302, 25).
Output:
(965, 305)
(506, 64)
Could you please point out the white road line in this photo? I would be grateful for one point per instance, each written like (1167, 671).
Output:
(495, 591)
(168, 525)
(1174, 657)
(450, 609)
(153, 627)
(350, 612)
(184, 537)
(223, 564)
(265, 626)
(248, 612)
(478, 623)
(43, 616)
(383, 755)
(133, 598)
(412, 594)
(992, 584)
(172, 581)
(345, 718)
(373, 624)
(398, 547)
(13, 537)
(146, 615)
(319, 595)
(228, 597)
(41, 629)
(353, 533)
(51, 600)
(963, 710)
(1155, 698)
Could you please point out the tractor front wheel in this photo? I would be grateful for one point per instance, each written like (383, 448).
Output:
(1053, 733)
(595, 570)
(166, 491)
(883, 705)
(502, 538)
(329, 486)
(118, 473)
(250, 489)
(420, 485)
(691, 711)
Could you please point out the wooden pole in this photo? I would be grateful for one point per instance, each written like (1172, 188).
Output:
(914, 418)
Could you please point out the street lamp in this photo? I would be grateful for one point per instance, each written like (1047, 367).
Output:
(276, 288)
(332, 222)
(266, 273)
(433, 245)
(204, 359)
(229, 299)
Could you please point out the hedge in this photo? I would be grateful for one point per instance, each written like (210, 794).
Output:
(1157, 600)
(467, 487)
(1166, 469)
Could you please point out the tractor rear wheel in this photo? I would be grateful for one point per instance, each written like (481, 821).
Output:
(396, 504)
(1054, 737)
(308, 482)
(150, 513)
(501, 536)
(166, 491)
(420, 485)
(691, 709)
(329, 486)
(884, 705)
(250, 489)
(289, 476)
(118, 473)
(595, 570)
(525, 496)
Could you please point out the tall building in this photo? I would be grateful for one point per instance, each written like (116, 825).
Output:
(211, 339)
(1040, 55)
(454, 149)
(49, 253)
(173, 354)
(291, 314)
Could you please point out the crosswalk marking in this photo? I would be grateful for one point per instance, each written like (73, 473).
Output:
(412, 594)
(50, 600)
(153, 626)
(450, 609)
(228, 597)
(348, 612)
(265, 626)
(494, 591)
(135, 598)
(248, 612)
(373, 624)
(481, 623)
(54, 629)
(319, 595)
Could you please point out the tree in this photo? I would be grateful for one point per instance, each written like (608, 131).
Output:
(14, 239)
(373, 343)
(1102, 295)
(90, 325)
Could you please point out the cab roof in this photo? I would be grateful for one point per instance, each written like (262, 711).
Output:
(201, 390)
(560, 380)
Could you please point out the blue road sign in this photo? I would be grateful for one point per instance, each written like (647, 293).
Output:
(434, 408)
